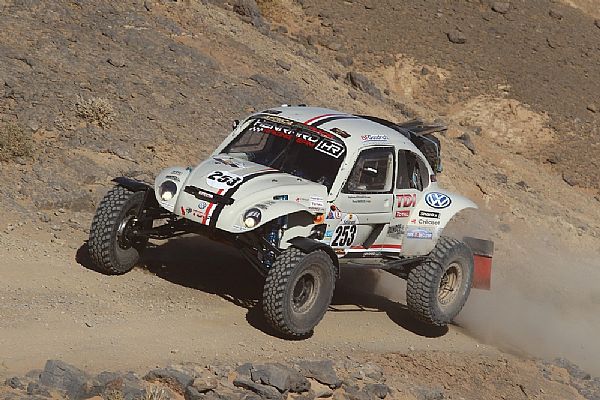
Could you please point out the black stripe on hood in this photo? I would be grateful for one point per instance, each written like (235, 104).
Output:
(215, 215)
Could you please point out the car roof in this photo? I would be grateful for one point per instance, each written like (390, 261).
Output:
(355, 131)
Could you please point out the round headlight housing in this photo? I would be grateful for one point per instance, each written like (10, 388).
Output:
(252, 217)
(167, 190)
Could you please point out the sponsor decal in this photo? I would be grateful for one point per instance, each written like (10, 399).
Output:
(239, 228)
(340, 132)
(334, 214)
(229, 161)
(173, 178)
(374, 138)
(223, 180)
(349, 219)
(406, 200)
(279, 120)
(175, 172)
(328, 234)
(316, 203)
(402, 213)
(182, 211)
(265, 205)
(396, 230)
(428, 222)
(437, 200)
(202, 205)
(419, 233)
(429, 214)
(313, 140)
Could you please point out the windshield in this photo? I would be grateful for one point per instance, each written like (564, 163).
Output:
(290, 147)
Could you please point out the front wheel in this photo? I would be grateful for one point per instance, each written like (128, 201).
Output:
(111, 246)
(438, 288)
(298, 290)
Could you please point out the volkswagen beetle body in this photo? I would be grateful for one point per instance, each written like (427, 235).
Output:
(357, 188)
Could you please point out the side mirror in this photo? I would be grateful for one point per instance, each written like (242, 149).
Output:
(235, 123)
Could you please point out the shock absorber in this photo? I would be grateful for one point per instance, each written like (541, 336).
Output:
(274, 237)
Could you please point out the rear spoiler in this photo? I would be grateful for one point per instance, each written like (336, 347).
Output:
(483, 252)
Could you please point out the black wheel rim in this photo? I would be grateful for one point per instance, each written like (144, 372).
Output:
(124, 230)
(304, 293)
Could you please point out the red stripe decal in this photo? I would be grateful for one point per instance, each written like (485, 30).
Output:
(379, 246)
(319, 117)
(210, 206)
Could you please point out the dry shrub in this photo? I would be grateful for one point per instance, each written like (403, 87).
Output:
(14, 142)
(95, 111)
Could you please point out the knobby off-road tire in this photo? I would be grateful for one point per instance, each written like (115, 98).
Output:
(110, 251)
(297, 291)
(438, 288)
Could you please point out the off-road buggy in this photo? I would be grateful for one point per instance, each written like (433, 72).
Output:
(301, 192)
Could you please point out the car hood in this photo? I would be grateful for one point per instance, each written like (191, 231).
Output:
(219, 190)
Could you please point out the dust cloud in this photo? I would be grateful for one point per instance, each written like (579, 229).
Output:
(544, 302)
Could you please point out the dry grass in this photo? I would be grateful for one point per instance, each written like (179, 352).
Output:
(14, 142)
(96, 111)
(156, 393)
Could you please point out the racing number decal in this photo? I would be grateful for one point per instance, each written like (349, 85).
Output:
(344, 236)
(223, 180)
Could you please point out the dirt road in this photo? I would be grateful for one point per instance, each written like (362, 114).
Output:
(188, 303)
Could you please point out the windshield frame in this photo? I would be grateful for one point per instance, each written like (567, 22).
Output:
(321, 142)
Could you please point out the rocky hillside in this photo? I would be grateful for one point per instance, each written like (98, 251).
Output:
(93, 90)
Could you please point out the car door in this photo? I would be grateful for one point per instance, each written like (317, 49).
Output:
(364, 206)
(412, 177)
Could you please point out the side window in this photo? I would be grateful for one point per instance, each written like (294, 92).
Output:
(373, 172)
(412, 171)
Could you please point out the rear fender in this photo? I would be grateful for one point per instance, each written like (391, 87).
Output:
(429, 218)
(483, 252)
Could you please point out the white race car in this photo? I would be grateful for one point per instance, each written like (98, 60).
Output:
(301, 192)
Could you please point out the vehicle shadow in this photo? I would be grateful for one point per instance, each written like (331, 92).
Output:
(211, 267)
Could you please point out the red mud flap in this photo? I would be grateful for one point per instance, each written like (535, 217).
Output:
(483, 251)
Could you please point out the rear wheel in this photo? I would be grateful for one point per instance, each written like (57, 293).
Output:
(297, 291)
(438, 288)
(112, 247)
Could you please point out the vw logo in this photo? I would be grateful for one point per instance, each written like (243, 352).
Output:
(437, 200)
(202, 205)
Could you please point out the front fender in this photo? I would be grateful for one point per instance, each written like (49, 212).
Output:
(231, 218)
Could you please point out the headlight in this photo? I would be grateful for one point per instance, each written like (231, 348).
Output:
(252, 217)
(167, 190)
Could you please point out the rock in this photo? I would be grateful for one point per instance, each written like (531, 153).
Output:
(501, 7)
(264, 391)
(593, 108)
(149, 5)
(116, 62)
(14, 383)
(45, 218)
(321, 371)
(501, 178)
(280, 377)
(35, 389)
(465, 139)
(129, 385)
(378, 390)
(245, 370)
(284, 64)
(319, 390)
(597, 23)
(555, 14)
(522, 185)
(346, 61)
(456, 37)
(59, 375)
(425, 71)
(571, 179)
(178, 380)
(354, 393)
(363, 83)
(205, 383)
(249, 11)
(192, 393)
(427, 393)
(372, 371)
